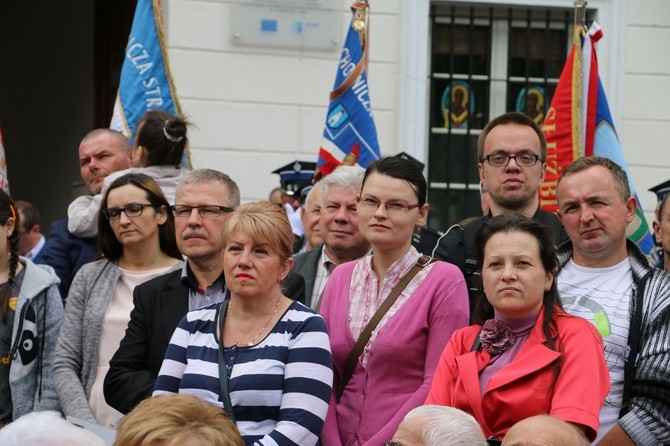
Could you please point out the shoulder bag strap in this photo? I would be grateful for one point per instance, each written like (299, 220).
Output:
(223, 373)
(363, 339)
(633, 344)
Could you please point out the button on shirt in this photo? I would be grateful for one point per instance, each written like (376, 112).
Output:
(199, 297)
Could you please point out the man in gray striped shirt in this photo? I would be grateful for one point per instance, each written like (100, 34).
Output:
(605, 278)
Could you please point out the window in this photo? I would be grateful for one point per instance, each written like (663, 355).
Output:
(484, 61)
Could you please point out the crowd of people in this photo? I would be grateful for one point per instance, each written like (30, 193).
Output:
(167, 311)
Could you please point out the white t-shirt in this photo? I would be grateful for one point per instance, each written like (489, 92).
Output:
(602, 296)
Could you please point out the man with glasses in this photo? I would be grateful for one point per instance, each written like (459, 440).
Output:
(338, 226)
(512, 154)
(204, 200)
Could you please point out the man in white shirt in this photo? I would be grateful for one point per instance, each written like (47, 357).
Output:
(605, 278)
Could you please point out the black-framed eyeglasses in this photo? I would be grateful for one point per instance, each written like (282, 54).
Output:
(522, 159)
(371, 204)
(205, 211)
(131, 210)
(392, 443)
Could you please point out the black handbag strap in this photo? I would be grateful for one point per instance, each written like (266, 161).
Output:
(223, 373)
(352, 359)
(633, 344)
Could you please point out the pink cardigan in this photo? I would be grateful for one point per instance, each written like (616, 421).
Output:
(402, 359)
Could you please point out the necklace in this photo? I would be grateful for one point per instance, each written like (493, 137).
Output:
(253, 340)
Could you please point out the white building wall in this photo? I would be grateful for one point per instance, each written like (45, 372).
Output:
(258, 108)
(646, 110)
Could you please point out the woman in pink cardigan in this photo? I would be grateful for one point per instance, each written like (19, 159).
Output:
(393, 373)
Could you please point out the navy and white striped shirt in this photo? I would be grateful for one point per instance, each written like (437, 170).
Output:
(279, 388)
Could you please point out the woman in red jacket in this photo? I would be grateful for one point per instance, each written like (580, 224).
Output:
(525, 356)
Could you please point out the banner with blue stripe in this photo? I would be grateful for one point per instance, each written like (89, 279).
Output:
(350, 135)
(146, 81)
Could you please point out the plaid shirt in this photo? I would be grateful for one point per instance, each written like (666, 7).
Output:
(366, 296)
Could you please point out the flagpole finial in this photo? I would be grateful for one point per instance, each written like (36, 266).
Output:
(580, 12)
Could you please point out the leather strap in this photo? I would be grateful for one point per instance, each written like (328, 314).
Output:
(223, 372)
(363, 339)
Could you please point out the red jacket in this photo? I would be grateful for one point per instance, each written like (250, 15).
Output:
(526, 387)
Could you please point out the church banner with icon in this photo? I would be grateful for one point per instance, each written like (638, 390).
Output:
(579, 123)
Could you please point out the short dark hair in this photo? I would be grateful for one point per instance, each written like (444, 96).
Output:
(119, 138)
(547, 245)
(402, 169)
(618, 174)
(516, 119)
(30, 214)
(163, 136)
(110, 246)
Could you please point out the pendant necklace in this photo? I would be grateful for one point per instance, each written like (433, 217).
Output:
(253, 340)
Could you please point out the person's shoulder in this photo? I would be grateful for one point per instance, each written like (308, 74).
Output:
(43, 275)
(304, 256)
(59, 225)
(299, 315)
(445, 268)
(161, 281)
(95, 265)
(466, 336)
(657, 288)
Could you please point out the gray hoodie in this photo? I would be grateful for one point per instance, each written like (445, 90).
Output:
(37, 321)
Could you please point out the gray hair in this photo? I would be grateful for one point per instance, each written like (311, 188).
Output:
(215, 177)
(346, 177)
(311, 192)
(448, 426)
(46, 428)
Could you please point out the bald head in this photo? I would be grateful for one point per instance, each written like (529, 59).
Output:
(544, 430)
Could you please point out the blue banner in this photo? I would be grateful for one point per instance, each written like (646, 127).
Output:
(146, 82)
(606, 144)
(350, 135)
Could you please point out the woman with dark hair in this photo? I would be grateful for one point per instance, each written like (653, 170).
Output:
(137, 240)
(160, 140)
(30, 315)
(525, 356)
(390, 373)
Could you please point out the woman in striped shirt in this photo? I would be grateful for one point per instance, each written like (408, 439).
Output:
(275, 351)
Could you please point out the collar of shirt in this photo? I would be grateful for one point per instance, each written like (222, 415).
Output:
(36, 249)
(189, 281)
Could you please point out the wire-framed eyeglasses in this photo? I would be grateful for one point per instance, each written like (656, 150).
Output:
(131, 210)
(369, 203)
(502, 159)
(205, 211)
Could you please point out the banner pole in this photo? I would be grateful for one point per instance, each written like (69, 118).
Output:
(580, 12)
